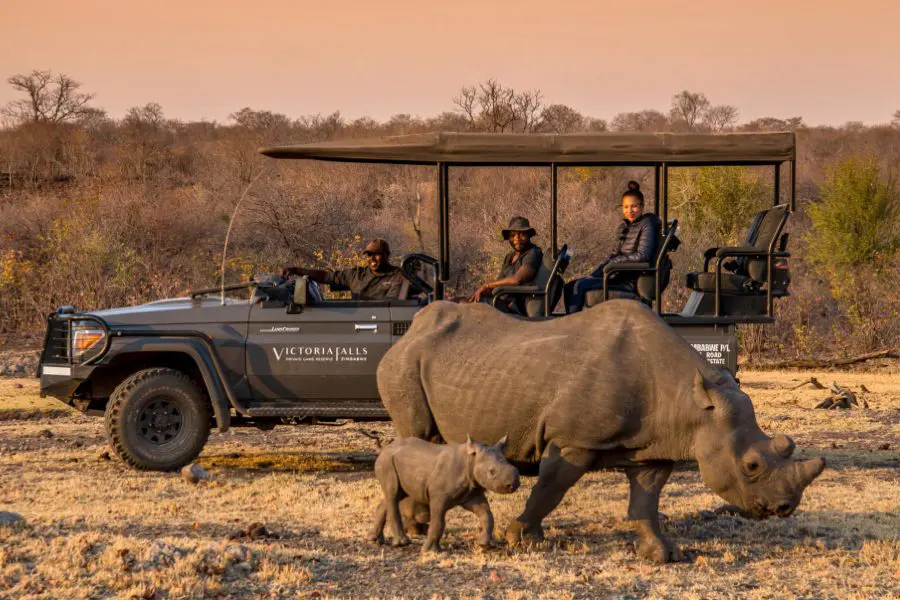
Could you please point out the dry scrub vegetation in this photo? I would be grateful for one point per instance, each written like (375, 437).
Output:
(99, 212)
(94, 529)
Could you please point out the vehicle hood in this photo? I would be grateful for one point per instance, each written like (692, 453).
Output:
(177, 311)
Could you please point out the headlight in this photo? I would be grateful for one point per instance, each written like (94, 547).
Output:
(87, 340)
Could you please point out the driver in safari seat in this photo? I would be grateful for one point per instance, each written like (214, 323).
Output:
(379, 280)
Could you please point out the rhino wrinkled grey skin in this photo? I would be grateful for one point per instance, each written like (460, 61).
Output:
(610, 387)
(440, 476)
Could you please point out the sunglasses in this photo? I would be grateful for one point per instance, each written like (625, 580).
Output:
(370, 253)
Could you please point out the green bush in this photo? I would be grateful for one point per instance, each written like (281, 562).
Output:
(853, 224)
(723, 198)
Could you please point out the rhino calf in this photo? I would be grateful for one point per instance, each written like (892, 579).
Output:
(440, 476)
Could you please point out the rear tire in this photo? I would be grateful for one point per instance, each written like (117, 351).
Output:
(157, 419)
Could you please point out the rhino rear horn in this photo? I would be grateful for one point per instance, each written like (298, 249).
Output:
(783, 446)
(808, 470)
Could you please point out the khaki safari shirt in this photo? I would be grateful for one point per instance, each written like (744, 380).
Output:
(531, 257)
(363, 284)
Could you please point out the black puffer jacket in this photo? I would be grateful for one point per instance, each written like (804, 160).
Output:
(637, 242)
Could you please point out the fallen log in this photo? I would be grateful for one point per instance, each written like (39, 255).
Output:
(840, 397)
(845, 393)
(828, 364)
(811, 381)
(826, 403)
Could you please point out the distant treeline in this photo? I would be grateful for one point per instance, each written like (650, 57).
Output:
(101, 212)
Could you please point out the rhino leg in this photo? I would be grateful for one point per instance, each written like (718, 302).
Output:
(643, 508)
(393, 494)
(436, 526)
(479, 507)
(559, 470)
(415, 516)
(377, 534)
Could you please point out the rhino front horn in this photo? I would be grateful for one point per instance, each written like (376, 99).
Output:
(783, 446)
(810, 469)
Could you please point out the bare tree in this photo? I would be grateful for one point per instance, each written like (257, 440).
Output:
(720, 117)
(465, 102)
(597, 124)
(688, 108)
(260, 120)
(321, 128)
(896, 121)
(527, 107)
(645, 120)
(144, 140)
(400, 124)
(497, 112)
(559, 118)
(490, 106)
(255, 128)
(50, 98)
(448, 121)
(774, 124)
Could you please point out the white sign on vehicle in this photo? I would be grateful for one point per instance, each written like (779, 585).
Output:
(321, 353)
(715, 353)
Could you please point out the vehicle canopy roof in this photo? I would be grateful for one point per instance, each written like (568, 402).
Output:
(547, 149)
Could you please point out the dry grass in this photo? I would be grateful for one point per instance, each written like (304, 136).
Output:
(19, 400)
(95, 529)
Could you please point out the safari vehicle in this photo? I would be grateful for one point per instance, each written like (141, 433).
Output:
(164, 373)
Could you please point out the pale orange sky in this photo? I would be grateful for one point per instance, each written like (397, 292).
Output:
(825, 60)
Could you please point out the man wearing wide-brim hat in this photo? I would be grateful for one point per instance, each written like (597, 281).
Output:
(378, 280)
(520, 266)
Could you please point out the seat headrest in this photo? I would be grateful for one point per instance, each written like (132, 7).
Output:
(767, 227)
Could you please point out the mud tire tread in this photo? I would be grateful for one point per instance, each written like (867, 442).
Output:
(123, 392)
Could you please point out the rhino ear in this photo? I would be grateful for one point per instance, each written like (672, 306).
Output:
(471, 447)
(783, 445)
(700, 394)
(501, 445)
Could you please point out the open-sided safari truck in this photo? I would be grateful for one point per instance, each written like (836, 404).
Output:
(163, 373)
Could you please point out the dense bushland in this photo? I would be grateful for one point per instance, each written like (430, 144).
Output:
(99, 212)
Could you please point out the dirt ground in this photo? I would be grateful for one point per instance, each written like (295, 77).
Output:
(95, 529)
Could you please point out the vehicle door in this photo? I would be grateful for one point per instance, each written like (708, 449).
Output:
(326, 351)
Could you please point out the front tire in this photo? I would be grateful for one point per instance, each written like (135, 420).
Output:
(157, 420)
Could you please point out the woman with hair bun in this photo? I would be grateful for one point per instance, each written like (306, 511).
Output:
(637, 241)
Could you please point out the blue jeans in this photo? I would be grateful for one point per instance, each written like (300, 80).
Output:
(575, 291)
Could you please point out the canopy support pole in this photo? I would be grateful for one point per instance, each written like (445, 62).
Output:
(661, 195)
(777, 184)
(443, 230)
(554, 176)
(665, 195)
(793, 182)
(656, 170)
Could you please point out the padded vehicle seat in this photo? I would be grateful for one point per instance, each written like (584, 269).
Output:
(731, 283)
(747, 274)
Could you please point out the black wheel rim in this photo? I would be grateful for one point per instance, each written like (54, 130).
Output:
(160, 421)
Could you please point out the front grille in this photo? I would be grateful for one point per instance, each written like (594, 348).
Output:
(401, 327)
(56, 343)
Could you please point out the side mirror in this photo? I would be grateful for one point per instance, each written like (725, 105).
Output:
(300, 299)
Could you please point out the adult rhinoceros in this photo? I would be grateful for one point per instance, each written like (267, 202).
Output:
(611, 387)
